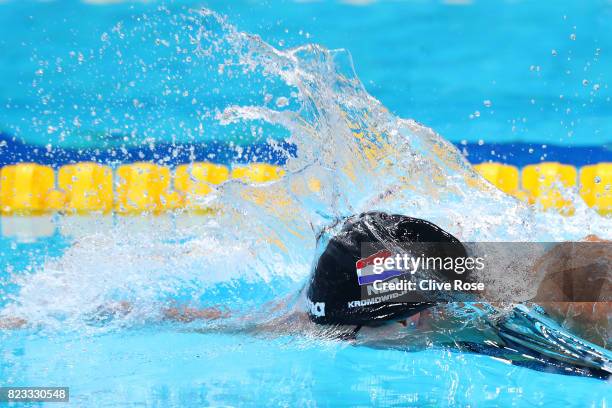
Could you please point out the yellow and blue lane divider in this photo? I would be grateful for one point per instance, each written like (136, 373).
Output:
(84, 188)
(144, 187)
(543, 184)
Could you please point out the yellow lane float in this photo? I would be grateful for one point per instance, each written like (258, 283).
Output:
(24, 188)
(194, 181)
(83, 188)
(596, 187)
(548, 184)
(144, 187)
(88, 187)
(257, 173)
(502, 176)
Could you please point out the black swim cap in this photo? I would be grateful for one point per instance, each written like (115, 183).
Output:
(337, 295)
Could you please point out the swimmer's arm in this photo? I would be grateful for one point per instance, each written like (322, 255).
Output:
(183, 314)
(590, 320)
(186, 314)
(178, 314)
(11, 323)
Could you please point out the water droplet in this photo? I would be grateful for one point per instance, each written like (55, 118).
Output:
(487, 103)
(596, 87)
(554, 53)
(597, 179)
(572, 36)
(282, 101)
(159, 41)
(585, 82)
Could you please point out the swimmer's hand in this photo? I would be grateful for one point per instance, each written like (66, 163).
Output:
(10, 323)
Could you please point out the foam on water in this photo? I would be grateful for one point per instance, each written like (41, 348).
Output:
(353, 156)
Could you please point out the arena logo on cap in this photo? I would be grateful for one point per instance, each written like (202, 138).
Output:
(366, 272)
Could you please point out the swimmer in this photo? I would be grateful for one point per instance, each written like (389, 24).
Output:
(334, 297)
(337, 302)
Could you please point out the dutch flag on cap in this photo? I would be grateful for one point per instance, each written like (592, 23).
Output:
(365, 269)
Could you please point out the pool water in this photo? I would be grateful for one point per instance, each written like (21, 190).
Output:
(155, 364)
(473, 70)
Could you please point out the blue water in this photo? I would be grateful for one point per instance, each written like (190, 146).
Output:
(473, 70)
(162, 367)
(174, 365)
